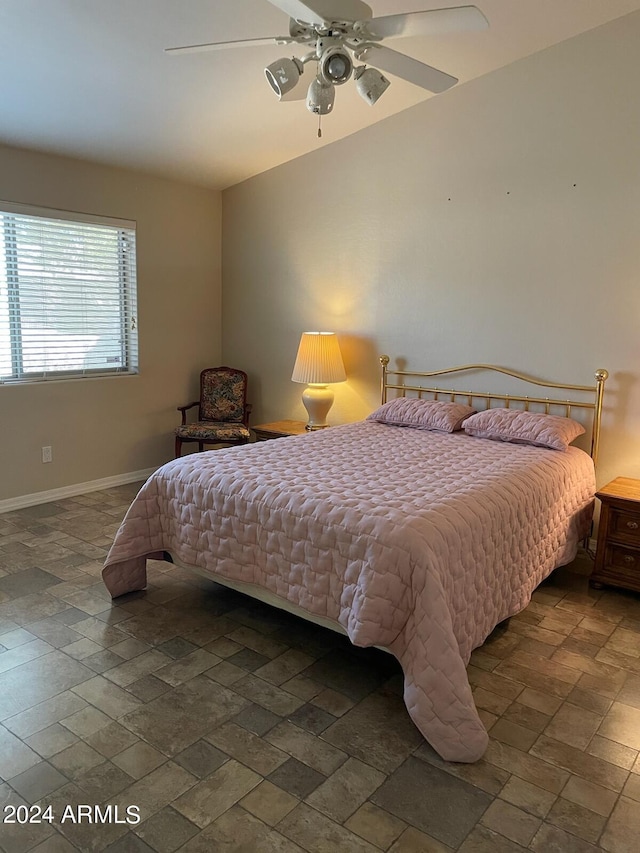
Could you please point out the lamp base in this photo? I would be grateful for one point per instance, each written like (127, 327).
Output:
(317, 400)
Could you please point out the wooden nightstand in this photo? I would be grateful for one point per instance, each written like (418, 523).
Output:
(618, 552)
(278, 429)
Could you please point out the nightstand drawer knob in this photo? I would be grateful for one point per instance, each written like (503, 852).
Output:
(632, 525)
(629, 559)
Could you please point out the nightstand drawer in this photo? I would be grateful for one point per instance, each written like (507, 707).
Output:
(620, 567)
(625, 526)
(620, 558)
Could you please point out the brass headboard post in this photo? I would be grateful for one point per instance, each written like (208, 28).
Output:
(384, 361)
(601, 377)
(596, 390)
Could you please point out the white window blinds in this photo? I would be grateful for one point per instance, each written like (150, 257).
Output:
(67, 295)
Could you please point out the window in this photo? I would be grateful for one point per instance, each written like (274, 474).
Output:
(67, 295)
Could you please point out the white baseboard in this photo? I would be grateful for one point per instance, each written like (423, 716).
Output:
(72, 491)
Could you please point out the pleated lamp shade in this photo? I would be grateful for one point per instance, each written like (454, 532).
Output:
(319, 361)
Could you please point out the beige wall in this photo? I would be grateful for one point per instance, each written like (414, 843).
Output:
(499, 222)
(102, 428)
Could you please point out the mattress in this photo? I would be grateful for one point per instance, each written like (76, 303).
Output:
(416, 541)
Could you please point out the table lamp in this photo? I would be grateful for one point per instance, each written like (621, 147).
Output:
(318, 364)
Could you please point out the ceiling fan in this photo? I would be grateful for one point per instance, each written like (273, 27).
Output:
(341, 33)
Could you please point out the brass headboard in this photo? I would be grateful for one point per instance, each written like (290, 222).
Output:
(548, 404)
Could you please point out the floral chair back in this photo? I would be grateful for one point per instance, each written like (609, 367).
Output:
(223, 394)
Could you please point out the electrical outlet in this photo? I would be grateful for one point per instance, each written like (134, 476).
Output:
(47, 454)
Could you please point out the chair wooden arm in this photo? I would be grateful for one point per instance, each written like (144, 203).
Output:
(184, 409)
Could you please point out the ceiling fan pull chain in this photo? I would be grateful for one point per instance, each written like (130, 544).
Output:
(319, 126)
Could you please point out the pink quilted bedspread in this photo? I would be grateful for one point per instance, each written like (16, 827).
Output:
(419, 542)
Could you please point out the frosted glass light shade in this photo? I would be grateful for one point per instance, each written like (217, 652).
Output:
(318, 363)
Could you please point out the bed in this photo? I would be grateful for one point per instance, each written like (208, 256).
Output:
(415, 539)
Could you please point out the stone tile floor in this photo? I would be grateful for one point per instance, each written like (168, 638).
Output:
(231, 726)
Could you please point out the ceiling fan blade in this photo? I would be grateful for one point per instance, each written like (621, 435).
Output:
(428, 23)
(408, 68)
(324, 11)
(225, 45)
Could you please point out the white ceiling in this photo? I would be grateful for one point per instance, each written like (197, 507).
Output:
(90, 79)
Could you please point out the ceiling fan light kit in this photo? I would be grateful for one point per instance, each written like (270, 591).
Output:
(283, 75)
(370, 83)
(341, 31)
(320, 97)
(335, 65)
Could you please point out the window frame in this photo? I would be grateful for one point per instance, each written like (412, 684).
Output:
(126, 260)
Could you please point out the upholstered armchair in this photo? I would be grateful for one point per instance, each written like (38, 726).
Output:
(223, 411)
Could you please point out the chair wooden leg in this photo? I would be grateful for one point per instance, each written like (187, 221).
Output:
(200, 446)
(178, 447)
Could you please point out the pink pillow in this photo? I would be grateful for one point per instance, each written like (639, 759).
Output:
(422, 414)
(519, 427)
